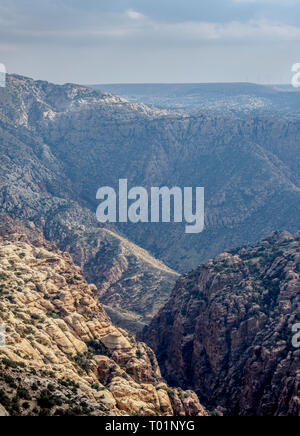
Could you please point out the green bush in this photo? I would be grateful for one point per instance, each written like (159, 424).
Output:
(23, 394)
(139, 354)
(47, 400)
(98, 348)
(4, 400)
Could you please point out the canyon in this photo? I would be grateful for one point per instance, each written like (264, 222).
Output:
(59, 144)
(81, 299)
(63, 356)
(227, 330)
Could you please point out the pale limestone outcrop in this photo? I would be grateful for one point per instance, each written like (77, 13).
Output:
(58, 335)
(3, 412)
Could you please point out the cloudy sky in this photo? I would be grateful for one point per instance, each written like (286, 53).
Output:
(139, 41)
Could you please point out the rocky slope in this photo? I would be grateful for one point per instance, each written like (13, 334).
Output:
(34, 187)
(226, 331)
(59, 144)
(62, 354)
(84, 139)
(132, 285)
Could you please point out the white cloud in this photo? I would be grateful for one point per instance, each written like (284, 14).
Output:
(134, 15)
(251, 30)
(87, 28)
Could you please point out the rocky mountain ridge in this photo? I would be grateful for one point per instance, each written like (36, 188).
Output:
(62, 354)
(243, 98)
(35, 188)
(248, 165)
(226, 331)
(40, 101)
(59, 144)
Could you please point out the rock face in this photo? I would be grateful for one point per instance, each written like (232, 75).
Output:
(61, 143)
(62, 355)
(226, 331)
(3, 412)
(35, 187)
(132, 284)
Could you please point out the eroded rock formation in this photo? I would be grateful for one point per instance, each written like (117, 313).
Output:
(226, 331)
(62, 354)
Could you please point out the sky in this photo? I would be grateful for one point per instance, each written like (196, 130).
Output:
(151, 41)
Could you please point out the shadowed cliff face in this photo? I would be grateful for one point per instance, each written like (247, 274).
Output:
(62, 355)
(226, 331)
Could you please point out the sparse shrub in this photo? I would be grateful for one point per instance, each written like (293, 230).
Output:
(45, 412)
(10, 381)
(47, 400)
(96, 387)
(23, 394)
(98, 348)
(11, 364)
(4, 399)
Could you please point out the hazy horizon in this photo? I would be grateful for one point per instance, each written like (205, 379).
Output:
(37, 78)
(137, 41)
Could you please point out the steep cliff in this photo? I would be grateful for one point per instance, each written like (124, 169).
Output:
(62, 354)
(35, 187)
(82, 139)
(226, 331)
(59, 144)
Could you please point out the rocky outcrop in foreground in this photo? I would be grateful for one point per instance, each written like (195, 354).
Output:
(226, 332)
(62, 354)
